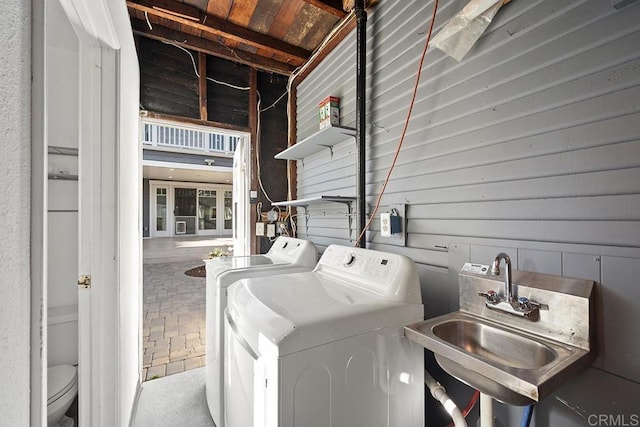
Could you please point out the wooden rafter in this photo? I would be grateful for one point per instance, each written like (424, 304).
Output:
(332, 6)
(209, 47)
(192, 17)
(202, 85)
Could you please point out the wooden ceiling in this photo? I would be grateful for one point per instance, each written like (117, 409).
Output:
(271, 35)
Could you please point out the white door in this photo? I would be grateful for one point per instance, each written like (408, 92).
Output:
(160, 211)
(241, 184)
(108, 235)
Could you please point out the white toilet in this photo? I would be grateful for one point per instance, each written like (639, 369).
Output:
(62, 388)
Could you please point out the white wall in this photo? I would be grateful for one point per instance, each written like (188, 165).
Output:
(15, 125)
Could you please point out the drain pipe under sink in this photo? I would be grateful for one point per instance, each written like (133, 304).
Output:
(486, 410)
(440, 394)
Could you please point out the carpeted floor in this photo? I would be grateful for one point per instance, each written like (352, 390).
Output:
(173, 401)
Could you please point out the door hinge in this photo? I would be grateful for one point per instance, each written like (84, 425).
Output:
(84, 281)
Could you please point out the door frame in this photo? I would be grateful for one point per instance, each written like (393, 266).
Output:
(241, 198)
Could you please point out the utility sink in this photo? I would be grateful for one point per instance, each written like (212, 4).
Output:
(515, 360)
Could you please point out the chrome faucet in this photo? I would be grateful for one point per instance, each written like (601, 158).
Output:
(495, 270)
(508, 303)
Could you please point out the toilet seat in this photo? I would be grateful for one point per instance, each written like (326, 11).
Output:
(61, 379)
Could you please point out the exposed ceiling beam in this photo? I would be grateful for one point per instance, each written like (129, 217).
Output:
(332, 6)
(193, 17)
(209, 47)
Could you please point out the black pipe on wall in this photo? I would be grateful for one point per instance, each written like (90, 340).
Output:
(361, 61)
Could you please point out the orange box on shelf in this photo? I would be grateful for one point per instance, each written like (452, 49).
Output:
(329, 110)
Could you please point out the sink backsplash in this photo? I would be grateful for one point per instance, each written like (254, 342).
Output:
(566, 303)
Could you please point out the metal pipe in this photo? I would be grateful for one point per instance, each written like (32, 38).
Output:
(361, 62)
(486, 410)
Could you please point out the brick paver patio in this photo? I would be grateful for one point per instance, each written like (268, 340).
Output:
(174, 329)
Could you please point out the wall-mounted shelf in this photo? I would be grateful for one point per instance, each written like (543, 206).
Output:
(324, 138)
(314, 200)
(304, 203)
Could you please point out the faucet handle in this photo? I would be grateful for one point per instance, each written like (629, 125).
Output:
(490, 295)
(527, 304)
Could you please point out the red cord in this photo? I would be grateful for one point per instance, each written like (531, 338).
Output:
(404, 131)
(470, 405)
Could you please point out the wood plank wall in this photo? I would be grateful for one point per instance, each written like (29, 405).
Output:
(531, 144)
(168, 83)
(227, 104)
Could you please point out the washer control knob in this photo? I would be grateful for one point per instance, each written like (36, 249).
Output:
(349, 259)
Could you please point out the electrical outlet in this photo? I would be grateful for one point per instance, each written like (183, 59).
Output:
(271, 230)
(385, 224)
(393, 225)
(259, 228)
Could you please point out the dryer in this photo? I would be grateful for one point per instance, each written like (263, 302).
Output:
(327, 347)
(287, 255)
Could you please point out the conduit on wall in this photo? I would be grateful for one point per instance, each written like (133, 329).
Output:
(361, 59)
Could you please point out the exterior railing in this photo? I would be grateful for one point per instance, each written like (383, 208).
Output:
(160, 133)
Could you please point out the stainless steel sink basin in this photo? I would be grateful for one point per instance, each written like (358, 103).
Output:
(512, 366)
(495, 344)
(513, 358)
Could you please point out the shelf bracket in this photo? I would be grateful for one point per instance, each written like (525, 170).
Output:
(330, 147)
(350, 215)
(306, 219)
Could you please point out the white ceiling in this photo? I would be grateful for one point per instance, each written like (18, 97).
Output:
(183, 174)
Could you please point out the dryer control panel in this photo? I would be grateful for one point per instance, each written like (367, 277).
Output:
(391, 276)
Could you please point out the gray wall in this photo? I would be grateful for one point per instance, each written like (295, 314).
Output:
(15, 125)
(528, 145)
(145, 207)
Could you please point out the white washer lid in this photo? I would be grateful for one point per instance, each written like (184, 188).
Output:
(60, 379)
(285, 251)
(302, 310)
(237, 262)
(223, 271)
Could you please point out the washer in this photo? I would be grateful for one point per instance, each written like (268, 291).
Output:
(327, 347)
(287, 255)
